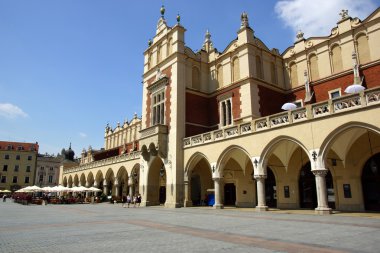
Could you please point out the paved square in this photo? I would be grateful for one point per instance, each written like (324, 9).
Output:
(111, 228)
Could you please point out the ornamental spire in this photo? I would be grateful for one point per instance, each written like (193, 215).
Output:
(207, 44)
(244, 20)
(162, 11)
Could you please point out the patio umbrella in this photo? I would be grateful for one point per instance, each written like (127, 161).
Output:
(79, 189)
(354, 88)
(288, 106)
(94, 189)
(47, 189)
(33, 188)
(5, 191)
(60, 188)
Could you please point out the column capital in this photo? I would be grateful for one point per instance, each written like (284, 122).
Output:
(260, 177)
(320, 172)
(116, 181)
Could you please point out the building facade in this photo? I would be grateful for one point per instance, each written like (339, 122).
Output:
(17, 164)
(212, 123)
(47, 171)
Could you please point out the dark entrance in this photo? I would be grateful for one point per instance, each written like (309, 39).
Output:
(307, 189)
(196, 190)
(270, 189)
(229, 194)
(371, 183)
(162, 194)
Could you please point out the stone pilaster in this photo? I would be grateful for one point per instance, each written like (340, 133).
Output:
(187, 202)
(218, 195)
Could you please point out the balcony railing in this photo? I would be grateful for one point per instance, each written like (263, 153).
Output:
(105, 162)
(322, 109)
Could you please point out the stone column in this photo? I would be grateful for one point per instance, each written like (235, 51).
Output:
(130, 184)
(105, 189)
(260, 182)
(320, 183)
(218, 200)
(116, 185)
(188, 202)
(87, 193)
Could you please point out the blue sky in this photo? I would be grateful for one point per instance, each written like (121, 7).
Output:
(67, 68)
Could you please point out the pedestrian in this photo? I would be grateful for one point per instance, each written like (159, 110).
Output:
(4, 197)
(128, 200)
(134, 200)
(138, 200)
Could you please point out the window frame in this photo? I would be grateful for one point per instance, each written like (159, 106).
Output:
(339, 90)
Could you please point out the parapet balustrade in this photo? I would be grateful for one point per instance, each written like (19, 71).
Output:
(322, 109)
(109, 161)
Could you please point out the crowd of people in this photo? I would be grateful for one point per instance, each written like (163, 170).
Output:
(128, 200)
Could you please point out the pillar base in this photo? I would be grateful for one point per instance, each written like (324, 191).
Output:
(323, 210)
(172, 205)
(261, 208)
(218, 206)
(188, 204)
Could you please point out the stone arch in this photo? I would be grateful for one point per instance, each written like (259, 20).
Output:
(361, 41)
(70, 181)
(156, 191)
(122, 178)
(90, 179)
(196, 84)
(76, 180)
(313, 66)
(336, 58)
(65, 181)
(198, 175)
(235, 171)
(82, 180)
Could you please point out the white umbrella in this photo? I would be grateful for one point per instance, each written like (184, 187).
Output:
(47, 189)
(33, 188)
(5, 191)
(354, 88)
(78, 189)
(94, 189)
(60, 188)
(288, 106)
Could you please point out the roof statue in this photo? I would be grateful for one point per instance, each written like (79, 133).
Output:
(244, 20)
(299, 36)
(344, 14)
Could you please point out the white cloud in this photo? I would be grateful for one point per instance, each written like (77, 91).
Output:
(11, 111)
(82, 135)
(317, 18)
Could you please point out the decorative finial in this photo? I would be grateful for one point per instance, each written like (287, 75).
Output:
(70, 146)
(244, 20)
(118, 124)
(178, 18)
(135, 115)
(344, 14)
(149, 42)
(299, 35)
(162, 10)
(207, 44)
(207, 36)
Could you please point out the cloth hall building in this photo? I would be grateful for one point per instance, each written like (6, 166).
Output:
(212, 123)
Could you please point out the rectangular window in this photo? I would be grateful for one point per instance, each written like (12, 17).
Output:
(158, 108)
(50, 179)
(26, 180)
(41, 178)
(14, 179)
(3, 179)
(20, 148)
(29, 157)
(5, 167)
(17, 157)
(28, 168)
(51, 168)
(42, 168)
(226, 112)
(16, 168)
(335, 93)
(6, 157)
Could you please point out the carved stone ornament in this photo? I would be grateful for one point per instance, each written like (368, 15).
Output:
(259, 177)
(292, 52)
(159, 74)
(244, 20)
(322, 173)
(344, 14)
(309, 44)
(355, 22)
(299, 36)
(334, 31)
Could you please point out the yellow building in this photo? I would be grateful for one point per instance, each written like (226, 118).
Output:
(212, 123)
(17, 164)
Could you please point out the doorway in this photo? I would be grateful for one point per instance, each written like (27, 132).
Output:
(229, 194)
(307, 188)
(270, 189)
(371, 183)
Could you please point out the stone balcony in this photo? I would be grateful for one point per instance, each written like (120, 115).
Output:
(154, 140)
(104, 162)
(326, 108)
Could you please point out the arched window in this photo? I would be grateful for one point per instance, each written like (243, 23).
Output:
(363, 49)
(149, 60)
(293, 74)
(220, 75)
(336, 59)
(159, 54)
(273, 75)
(195, 79)
(259, 71)
(170, 49)
(314, 67)
(235, 69)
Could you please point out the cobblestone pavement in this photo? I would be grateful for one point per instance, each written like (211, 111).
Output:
(111, 228)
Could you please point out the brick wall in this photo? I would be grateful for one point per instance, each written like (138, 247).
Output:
(270, 101)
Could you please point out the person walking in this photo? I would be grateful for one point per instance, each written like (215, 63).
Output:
(4, 198)
(138, 199)
(128, 200)
(134, 200)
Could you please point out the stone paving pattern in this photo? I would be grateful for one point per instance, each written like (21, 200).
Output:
(111, 228)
